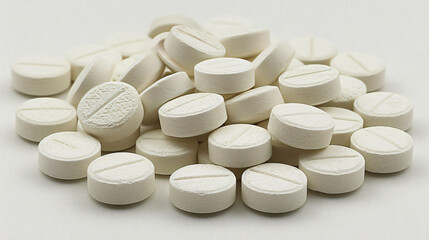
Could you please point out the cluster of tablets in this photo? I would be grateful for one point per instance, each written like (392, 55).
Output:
(209, 106)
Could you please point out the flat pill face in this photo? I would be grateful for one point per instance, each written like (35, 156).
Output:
(224, 66)
(129, 43)
(309, 75)
(46, 111)
(345, 120)
(240, 136)
(383, 104)
(198, 40)
(41, 66)
(120, 168)
(333, 160)
(382, 140)
(191, 104)
(202, 179)
(303, 116)
(69, 146)
(313, 49)
(274, 178)
(155, 142)
(109, 104)
(357, 64)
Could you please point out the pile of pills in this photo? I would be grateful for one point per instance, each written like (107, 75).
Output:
(208, 106)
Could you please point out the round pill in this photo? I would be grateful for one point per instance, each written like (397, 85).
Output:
(254, 105)
(385, 149)
(368, 68)
(167, 60)
(121, 178)
(110, 111)
(116, 145)
(333, 170)
(203, 158)
(167, 153)
(385, 109)
(274, 188)
(128, 44)
(202, 188)
(282, 153)
(41, 75)
(84, 55)
(301, 126)
(224, 75)
(271, 62)
(189, 46)
(66, 155)
(140, 70)
(165, 23)
(96, 72)
(310, 84)
(192, 115)
(346, 123)
(39, 117)
(351, 88)
(245, 44)
(162, 91)
(311, 50)
(293, 64)
(239, 145)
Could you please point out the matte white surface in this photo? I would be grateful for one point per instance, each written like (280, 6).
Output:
(385, 207)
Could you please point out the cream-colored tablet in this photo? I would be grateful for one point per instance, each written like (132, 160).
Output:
(227, 26)
(254, 105)
(162, 91)
(189, 46)
(301, 126)
(310, 84)
(84, 55)
(282, 153)
(202, 188)
(293, 64)
(116, 145)
(203, 158)
(271, 62)
(368, 68)
(224, 75)
(172, 64)
(385, 149)
(346, 123)
(66, 155)
(41, 75)
(351, 88)
(121, 178)
(311, 50)
(385, 109)
(39, 117)
(140, 70)
(247, 43)
(192, 115)
(128, 44)
(239, 145)
(111, 111)
(165, 23)
(167, 153)
(96, 72)
(274, 188)
(146, 128)
(333, 170)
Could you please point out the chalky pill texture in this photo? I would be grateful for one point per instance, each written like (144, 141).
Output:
(274, 188)
(202, 188)
(121, 178)
(66, 155)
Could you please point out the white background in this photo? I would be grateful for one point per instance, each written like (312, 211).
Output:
(396, 206)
